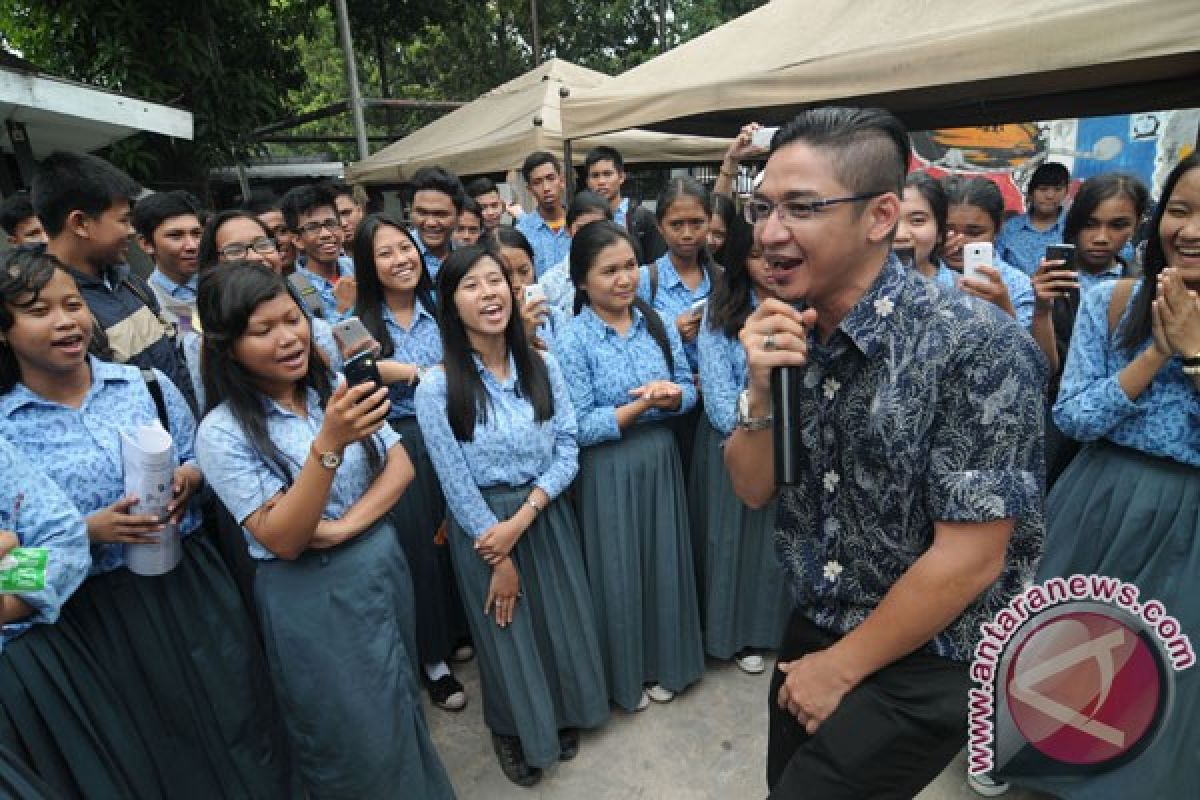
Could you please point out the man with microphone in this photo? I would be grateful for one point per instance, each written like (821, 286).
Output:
(912, 425)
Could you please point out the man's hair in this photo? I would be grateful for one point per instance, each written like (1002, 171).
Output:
(603, 153)
(481, 186)
(436, 179)
(341, 189)
(15, 209)
(537, 159)
(587, 203)
(869, 147)
(1049, 173)
(303, 200)
(155, 209)
(260, 201)
(66, 182)
(471, 205)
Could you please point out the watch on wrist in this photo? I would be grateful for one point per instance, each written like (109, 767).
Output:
(747, 422)
(329, 460)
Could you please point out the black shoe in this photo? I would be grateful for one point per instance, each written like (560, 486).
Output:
(512, 761)
(447, 693)
(568, 744)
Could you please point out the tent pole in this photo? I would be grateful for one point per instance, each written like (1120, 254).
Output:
(356, 101)
(569, 166)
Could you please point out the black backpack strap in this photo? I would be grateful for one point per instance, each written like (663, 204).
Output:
(156, 392)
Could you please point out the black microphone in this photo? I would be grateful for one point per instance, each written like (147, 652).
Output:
(786, 384)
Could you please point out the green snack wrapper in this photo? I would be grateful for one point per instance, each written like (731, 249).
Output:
(24, 570)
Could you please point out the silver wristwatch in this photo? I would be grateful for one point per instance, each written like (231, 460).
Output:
(744, 420)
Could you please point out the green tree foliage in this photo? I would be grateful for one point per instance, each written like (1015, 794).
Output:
(229, 62)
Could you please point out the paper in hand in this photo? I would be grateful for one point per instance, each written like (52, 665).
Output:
(148, 456)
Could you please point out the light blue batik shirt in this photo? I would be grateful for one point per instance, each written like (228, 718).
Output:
(1024, 246)
(34, 508)
(723, 373)
(80, 448)
(183, 292)
(508, 448)
(1020, 288)
(325, 288)
(601, 366)
(420, 344)
(1163, 421)
(560, 291)
(673, 298)
(549, 246)
(245, 481)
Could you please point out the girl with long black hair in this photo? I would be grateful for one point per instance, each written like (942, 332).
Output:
(148, 685)
(1128, 506)
(501, 433)
(628, 375)
(311, 472)
(744, 599)
(395, 304)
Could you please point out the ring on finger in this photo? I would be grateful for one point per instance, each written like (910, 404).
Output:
(768, 342)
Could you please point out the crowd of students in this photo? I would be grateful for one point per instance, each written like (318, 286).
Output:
(541, 483)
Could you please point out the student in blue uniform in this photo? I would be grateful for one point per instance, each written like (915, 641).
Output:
(311, 472)
(627, 374)
(1023, 239)
(395, 304)
(744, 598)
(1100, 224)
(679, 282)
(542, 319)
(155, 686)
(975, 213)
(34, 512)
(501, 432)
(1128, 506)
(311, 215)
(585, 207)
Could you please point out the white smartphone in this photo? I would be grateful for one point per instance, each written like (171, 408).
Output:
(976, 255)
(352, 336)
(762, 137)
(534, 292)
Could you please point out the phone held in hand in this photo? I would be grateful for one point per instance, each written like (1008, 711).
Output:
(362, 368)
(1062, 252)
(351, 336)
(761, 138)
(976, 255)
(533, 293)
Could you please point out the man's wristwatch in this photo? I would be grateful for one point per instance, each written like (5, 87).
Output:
(329, 460)
(747, 422)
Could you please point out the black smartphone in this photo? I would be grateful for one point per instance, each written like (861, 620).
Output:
(1062, 252)
(362, 368)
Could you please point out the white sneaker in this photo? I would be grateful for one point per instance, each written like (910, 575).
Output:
(986, 786)
(644, 703)
(750, 663)
(660, 694)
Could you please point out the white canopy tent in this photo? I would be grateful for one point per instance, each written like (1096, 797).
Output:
(935, 63)
(498, 130)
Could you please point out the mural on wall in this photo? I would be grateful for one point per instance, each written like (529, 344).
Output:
(1146, 145)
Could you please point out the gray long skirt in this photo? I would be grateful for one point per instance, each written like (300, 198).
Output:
(417, 515)
(637, 548)
(743, 590)
(542, 673)
(339, 634)
(1124, 514)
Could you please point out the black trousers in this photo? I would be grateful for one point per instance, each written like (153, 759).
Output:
(888, 738)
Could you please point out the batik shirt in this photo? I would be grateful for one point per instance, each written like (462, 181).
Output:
(420, 344)
(80, 448)
(1165, 418)
(673, 297)
(549, 246)
(919, 408)
(1024, 246)
(36, 510)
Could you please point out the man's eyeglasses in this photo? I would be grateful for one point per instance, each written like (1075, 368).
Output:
(757, 210)
(238, 250)
(313, 228)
